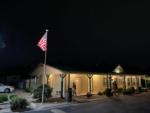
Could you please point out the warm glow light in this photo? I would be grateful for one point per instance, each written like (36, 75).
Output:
(117, 71)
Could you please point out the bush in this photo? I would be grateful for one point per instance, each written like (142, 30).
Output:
(12, 96)
(1, 101)
(108, 92)
(120, 90)
(37, 93)
(3, 98)
(17, 104)
(99, 93)
(126, 92)
(89, 94)
(132, 90)
(29, 90)
(139, 89)
(129, 91)
(145, 90)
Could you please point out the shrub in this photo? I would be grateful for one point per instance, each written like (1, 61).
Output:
(1, 101)
(120, 90)
(3, 98)
(108, 92)
(18, 103)
(29, 90)
(139, 89)
(145, 90)
(126, 92)
(99, 93)
(37, 93)
(12, 96)
(89, 94)
(129, 91)
(132, 90)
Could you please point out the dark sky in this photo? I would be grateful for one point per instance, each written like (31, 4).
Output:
(81, 33)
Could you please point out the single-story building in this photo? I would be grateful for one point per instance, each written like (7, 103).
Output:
(94, 82)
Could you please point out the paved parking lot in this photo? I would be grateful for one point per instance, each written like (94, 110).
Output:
(123, 104)
(138, 103)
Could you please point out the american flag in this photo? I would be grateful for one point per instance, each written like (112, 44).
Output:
(42, 44)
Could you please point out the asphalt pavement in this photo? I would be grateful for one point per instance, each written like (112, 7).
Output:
(138, 103)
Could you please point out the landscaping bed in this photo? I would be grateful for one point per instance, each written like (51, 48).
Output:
(3, 98)
(51, 100)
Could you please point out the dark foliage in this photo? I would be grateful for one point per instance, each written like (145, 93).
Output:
(37, 93)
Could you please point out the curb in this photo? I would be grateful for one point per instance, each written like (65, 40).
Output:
(4, 103)
(89, 100)
(49, 107)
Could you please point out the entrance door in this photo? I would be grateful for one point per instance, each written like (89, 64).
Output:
(78, 86)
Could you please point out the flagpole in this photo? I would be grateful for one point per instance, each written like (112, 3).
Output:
(44, 70)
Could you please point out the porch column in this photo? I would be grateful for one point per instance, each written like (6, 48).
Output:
(90, 77)
(131, 82)
(69, 94)
(145, 82)
(110, 80)
(139, 79)
(68, 81)
(107, 81)
(124, 81)
(137, 82)
(62, 76)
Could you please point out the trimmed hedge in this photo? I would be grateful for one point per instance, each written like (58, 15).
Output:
(120, 90)
(17, 104)
(37, 93)
(129, 91)
(3, 98)
(108, 92)
(12, 96)
(99, 93)
(29, 90)
(89, 94)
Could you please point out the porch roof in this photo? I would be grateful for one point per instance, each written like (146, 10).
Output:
(83, 70)
(96, 71)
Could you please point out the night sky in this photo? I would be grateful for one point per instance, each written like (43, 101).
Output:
(85, 33)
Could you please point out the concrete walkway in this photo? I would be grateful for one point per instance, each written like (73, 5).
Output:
(83, 99)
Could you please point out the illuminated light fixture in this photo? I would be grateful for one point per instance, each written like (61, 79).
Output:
(118, 69)
(76, 80)
(90, 75)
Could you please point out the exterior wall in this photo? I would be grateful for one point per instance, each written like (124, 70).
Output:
(54, 82)
(31, 83)
(130, 81)
(140, 81)
(147, 81)
(119, 80)
(98, 83)
(81, 81)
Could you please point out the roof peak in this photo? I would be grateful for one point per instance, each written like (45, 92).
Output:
(118, 69)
